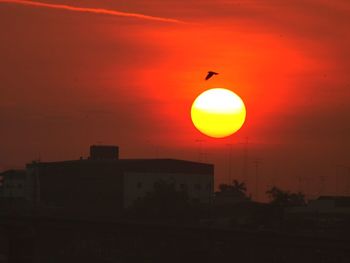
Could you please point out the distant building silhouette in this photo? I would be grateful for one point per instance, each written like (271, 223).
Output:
(327, 214)
(325, 205)
(105, 182)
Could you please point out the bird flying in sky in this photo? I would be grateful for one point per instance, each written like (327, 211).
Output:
(210, 74)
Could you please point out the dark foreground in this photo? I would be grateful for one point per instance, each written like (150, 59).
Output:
(40, 239)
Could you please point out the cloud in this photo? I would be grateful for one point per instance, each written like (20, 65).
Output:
(92, 10)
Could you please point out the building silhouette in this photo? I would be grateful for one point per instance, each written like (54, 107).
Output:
(105, 183)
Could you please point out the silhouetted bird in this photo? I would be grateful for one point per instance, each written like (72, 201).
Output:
(210, 74)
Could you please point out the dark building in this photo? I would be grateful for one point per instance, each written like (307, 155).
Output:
(105, 183)
(13, 184)
(12, 190)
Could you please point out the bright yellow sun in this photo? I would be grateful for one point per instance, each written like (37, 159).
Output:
(218, 112)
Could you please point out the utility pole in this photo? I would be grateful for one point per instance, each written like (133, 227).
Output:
(155, 147)
(256, 164)
(340, 174)
(336, 179)
(348, 183)
(245, 159)
(321, 189)
(206, 156)
(229, 163)
(300, 184)
(199, 141)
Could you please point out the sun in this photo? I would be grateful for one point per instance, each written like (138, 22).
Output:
(218, 113)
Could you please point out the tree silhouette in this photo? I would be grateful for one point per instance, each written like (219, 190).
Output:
(285, 198)
(236, 188)
(232, 193)
(239, 186)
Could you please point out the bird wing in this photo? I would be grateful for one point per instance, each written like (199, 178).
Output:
(210, 74)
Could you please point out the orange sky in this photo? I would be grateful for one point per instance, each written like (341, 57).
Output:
(69, 79)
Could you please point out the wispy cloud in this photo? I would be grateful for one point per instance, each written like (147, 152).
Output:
(92, 10)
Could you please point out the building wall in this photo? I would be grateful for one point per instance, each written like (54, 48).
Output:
(81, 186)
(112, 185)
(14, 188)
(322, 206)
(137, 184)
(13, 184)
(32, 192)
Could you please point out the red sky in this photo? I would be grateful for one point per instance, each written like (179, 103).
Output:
(69, 79)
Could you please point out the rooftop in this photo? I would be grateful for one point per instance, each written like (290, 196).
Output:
(13, 173)
(135, 165)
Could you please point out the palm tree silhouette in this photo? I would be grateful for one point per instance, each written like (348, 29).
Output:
(236, 188)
